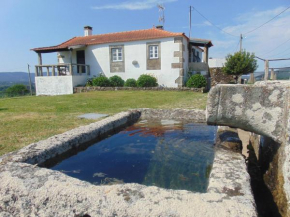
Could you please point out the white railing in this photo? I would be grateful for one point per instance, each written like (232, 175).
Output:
(62, 69)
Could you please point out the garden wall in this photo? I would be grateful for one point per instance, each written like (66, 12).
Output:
(218, 77)
(89, 89)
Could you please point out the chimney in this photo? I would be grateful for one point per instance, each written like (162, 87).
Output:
(88, 30)
(159, 27)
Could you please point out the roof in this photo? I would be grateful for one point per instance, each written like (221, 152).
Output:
(200, 42)
(136, 35)
(199, 48)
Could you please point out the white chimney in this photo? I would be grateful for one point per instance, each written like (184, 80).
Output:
(88, 30)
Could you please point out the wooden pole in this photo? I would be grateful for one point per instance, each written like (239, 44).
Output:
(241, 43)
(47, 70)
(189, 22)
(29, 80)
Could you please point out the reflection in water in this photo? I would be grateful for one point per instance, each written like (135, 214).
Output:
(165, 153)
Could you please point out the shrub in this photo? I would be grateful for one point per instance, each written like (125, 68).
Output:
(131, 82)
(101, 81)
(89, 82)
(240, 63)
(116, 81)
(196, 81)
(146, 81)
(17, 89)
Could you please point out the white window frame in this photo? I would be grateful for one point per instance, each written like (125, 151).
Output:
(153, 52)
(117, 54)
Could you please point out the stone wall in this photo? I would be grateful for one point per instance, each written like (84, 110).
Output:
(194, 115)
(89, 89)
(262, 108)
(218, 77)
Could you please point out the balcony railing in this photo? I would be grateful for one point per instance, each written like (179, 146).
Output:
(62, 69)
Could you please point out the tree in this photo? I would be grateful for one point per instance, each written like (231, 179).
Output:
(17, 89)
(240, 63)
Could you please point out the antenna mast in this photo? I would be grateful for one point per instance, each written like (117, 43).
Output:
(161, 14)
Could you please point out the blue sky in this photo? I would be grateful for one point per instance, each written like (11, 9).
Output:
(27, 24)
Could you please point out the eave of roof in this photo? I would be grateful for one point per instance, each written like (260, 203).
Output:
(200, 42)
(137, 35)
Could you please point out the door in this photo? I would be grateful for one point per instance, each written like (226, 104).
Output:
(81, 60)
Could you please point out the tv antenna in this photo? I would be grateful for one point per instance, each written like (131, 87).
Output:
(161, 14)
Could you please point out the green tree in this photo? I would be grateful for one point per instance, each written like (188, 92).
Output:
(240, 63)
(17, 89)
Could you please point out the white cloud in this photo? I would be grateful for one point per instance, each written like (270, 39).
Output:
(265, 42)
(205, 23)
(133, 5)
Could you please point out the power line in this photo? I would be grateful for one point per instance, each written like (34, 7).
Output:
(236, 47)
(212, 23)
(281, 53)
(267, 21)
(277, 46)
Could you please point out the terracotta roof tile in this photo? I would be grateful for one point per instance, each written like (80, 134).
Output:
(136, 35)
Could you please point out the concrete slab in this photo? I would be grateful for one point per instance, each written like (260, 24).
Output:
(93, 116)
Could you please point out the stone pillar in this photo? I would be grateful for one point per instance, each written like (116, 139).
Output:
(205, 54)
(252, 79)
(53, 71)
(40, 63)
(273, 75)
(266, 70)
(70, 55)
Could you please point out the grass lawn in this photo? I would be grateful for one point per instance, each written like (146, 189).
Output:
(24, 120)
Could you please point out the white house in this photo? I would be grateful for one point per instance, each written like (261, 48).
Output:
(166, 55)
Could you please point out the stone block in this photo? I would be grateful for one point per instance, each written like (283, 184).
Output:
(176, 65)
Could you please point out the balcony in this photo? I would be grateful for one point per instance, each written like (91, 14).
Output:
(62, 70)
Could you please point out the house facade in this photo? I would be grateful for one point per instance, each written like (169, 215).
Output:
(165, 55)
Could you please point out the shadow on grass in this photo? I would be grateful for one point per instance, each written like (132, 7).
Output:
(3, 109)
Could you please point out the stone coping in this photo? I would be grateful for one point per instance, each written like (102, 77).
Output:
(89, 89)
(29, 190)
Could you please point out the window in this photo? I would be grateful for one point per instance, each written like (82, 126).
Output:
(153, 51)
(117, 54)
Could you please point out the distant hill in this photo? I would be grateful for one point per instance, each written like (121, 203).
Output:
(15, 78)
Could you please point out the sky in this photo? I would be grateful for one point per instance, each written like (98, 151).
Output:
(27, 24)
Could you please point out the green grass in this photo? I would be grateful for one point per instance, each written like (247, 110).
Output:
(24, 120)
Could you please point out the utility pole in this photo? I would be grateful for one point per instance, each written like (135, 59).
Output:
(29, 80)
(241, 42)
(189, 21)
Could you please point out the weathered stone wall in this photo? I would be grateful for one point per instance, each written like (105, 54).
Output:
(29, 190)
(218, 77)
(262, 108)
(193, 115)
(89, 89)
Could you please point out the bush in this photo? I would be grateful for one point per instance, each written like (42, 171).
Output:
(116, 81)
(101, 82)
(131, 82)
(17, 89)
(146, 81)
(196, 81)
(89, 82)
